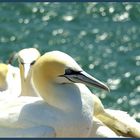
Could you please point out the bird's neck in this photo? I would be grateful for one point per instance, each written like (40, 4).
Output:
(27, 88)
(62, 96)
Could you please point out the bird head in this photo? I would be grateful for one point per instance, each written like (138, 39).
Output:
(60, 68)
(27, 57)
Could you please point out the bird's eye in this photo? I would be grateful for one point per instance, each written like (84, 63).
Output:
(68, 71)
(71, 72)
(33, 62)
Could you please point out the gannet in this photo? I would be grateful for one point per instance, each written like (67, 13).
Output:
(66, 107)
(9, 81)
(27, 86)
(66, 75)
(73, 73)
(26, 58)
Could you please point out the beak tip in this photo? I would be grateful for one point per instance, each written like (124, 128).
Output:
(107, 89)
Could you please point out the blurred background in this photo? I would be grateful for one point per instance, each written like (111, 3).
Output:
(104, 38)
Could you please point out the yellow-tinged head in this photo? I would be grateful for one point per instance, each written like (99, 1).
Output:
(3, 75)
(58, 67)
(53, 64)
(27, 57)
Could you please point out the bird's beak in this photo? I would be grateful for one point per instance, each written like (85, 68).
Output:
(85, 78)
(26, 70)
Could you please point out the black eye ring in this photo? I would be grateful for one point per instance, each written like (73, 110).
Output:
(33, 62)
(71, 72)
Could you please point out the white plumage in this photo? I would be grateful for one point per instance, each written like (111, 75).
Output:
(66, 108)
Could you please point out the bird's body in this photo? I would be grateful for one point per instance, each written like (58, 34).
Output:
(30, 112)
(9, 81)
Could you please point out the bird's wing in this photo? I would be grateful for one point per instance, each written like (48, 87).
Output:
(120, 122)
(99, 129)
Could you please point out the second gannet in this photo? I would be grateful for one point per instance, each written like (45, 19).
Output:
(26, 58)
(9, 77)
(66, 109)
